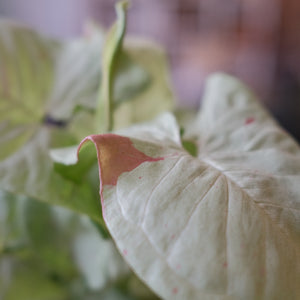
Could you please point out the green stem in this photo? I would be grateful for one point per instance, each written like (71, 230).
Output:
(121, 9)
(111, 53)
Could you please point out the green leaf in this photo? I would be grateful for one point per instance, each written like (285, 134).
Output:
(157, 96)
(48, 240)
(130, 79)
(56, 244)
(29, 64)
(12, 230)
(65, 158)
(221, 225)
(43, 82)
(29, 284)
(21, 77)
(190, 147)
(77, 76)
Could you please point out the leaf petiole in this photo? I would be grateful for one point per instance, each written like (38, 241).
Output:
(112, 50)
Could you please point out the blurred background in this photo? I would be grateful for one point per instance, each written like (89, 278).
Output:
(256, 40)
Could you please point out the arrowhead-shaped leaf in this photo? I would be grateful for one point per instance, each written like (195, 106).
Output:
(29, 63)
(222, 225)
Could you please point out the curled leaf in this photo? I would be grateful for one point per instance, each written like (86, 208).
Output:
(222, 225)
(135, 80)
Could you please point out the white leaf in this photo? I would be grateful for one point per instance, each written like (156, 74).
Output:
(223, 225)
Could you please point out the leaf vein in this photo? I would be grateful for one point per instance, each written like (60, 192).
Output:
(191, 215)
(155, 187)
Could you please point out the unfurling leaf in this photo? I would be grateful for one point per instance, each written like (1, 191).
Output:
(135, 81)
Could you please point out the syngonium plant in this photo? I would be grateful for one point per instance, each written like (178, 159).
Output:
(208, 212)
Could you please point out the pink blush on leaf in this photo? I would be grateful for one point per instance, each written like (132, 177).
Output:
(117, 155)
(249, 121)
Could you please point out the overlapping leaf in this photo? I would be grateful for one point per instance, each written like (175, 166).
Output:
(144, 64)
(47, 90)
(54, 248)
(28, 67)
(222, 225)
(157, 96)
